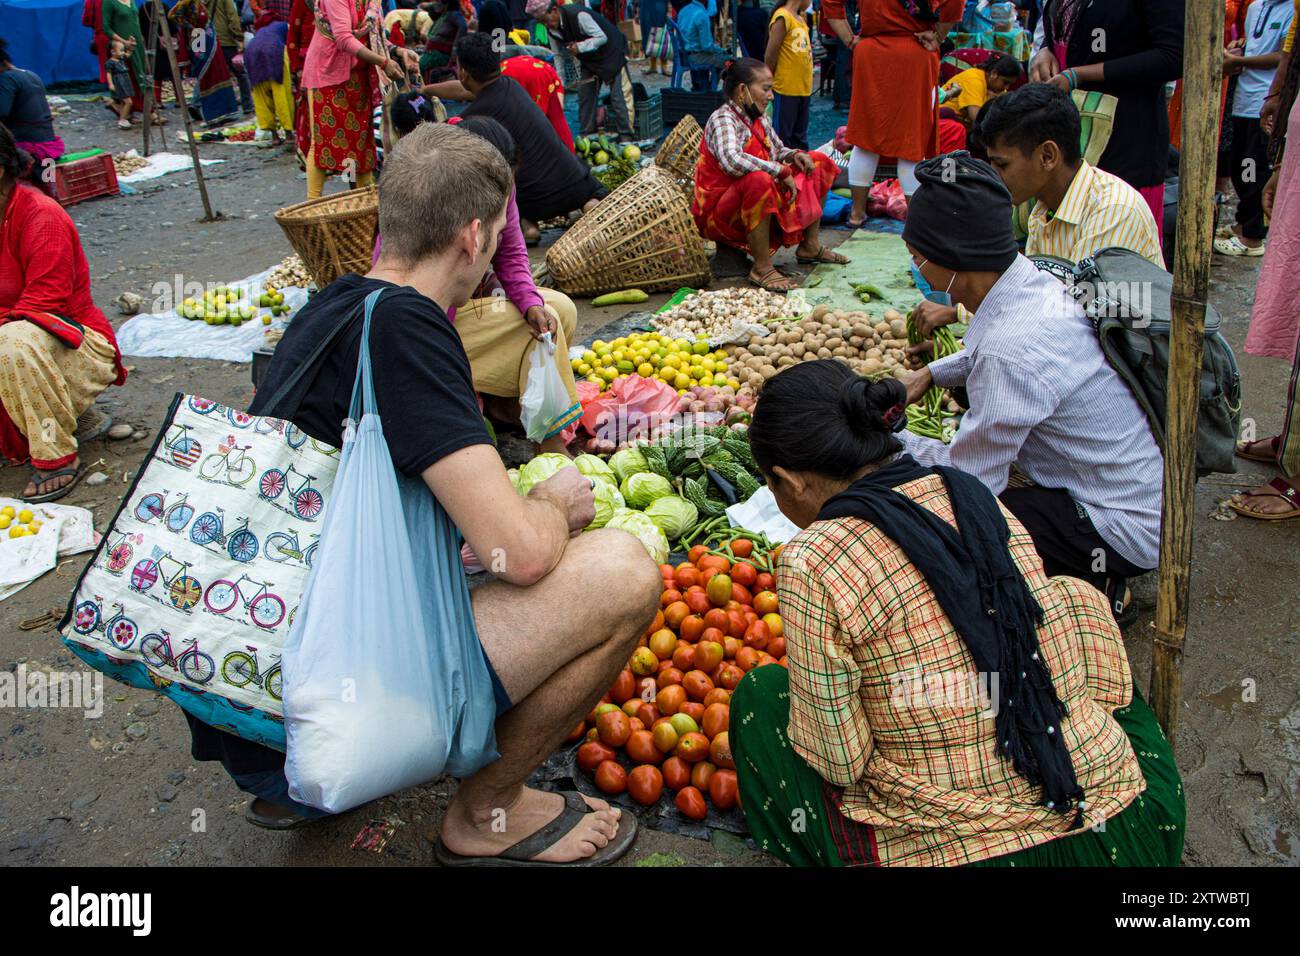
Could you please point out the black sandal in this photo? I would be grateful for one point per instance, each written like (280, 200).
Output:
(38, 480)
(524, 852)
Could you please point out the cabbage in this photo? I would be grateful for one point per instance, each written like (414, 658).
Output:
(629, 461)
(608, 500)
(673, 516)
(634, 522)
(515, 479)
(541, 468)
(593, 467)
(641, 489)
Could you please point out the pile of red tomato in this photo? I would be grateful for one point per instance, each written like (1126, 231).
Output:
(669, 709)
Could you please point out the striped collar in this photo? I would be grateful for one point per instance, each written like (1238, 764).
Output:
(1074, 204)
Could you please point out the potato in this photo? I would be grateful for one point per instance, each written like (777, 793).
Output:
(754, 362)
(797, 349)
(818, 311)
(893, 315)
(861, 330)
(839, 353)
(899, 328)
(900, 372)
(874, 353)
(785, 360)
(767, 371)
(882, 328)
(855, 341)
(871, 366)
(834, 342)
(823, 353)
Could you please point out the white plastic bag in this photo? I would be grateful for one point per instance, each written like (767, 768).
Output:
(545, 406)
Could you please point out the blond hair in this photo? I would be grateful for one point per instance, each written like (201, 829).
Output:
(437, 181)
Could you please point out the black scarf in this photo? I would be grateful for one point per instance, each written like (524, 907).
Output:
(979, 587)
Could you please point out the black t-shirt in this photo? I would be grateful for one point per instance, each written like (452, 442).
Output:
(547, 168)
(423, 383)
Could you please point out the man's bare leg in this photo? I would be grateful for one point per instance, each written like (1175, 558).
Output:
(556, 646)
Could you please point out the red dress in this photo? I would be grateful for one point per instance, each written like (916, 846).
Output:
(44, 279)
(727, 209)
(543, 84)
(894, 109)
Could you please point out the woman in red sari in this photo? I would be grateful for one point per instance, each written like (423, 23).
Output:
(57, 351)
(751, 190)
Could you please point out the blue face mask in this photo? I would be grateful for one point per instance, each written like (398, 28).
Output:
(934, 295)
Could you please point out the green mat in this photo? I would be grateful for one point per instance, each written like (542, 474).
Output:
(876, 257)
(84, 154)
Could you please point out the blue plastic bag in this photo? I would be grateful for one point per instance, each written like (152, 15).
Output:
(385, 683)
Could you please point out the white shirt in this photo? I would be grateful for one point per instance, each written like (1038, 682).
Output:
(1043, 397)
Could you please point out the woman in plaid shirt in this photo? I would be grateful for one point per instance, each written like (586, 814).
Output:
(946, 702)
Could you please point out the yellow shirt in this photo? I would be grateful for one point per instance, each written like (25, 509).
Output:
(1099, 210)
(794, 64)
(974, 84)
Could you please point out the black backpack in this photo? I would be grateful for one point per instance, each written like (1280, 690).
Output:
(1127, 297)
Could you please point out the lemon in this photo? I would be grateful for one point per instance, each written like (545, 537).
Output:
(682, 381)
(645, 370)
(17, 531)
(7, 511)
(599, 344)
(609, 374)
(5, 521)
(589, 357)
(595, 380)
(575, 364)
(701, 347)
(706, 381)
(734, 383)
(25, 516)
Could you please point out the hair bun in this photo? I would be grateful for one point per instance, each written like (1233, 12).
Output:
(872, 406)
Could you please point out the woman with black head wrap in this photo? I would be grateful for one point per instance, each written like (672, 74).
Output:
(945, 702)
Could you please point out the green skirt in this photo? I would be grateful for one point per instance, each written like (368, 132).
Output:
(788, 814)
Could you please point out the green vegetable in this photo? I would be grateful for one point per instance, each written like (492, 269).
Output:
(926, 417)
(594, 467)
(608, 501)
(626, 297)
(672, 515)
(629, 461)
(644, 487)
(541, 468)
(634, 522)
(513, 475)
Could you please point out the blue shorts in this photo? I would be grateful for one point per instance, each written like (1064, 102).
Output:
(498, 689)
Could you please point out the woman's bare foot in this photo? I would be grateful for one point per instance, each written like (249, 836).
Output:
(1276, 501)
(493, 830)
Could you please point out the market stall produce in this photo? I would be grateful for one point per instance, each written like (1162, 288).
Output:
(661, 731)
(873, 348)
(725, 315)
(680, 361)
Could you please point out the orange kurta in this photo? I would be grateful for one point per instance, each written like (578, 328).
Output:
(1234, 28)
(894, 110)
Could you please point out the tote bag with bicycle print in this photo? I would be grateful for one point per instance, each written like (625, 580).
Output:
(197, 580)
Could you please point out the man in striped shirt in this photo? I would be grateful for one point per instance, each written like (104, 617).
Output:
(1042, 396)
(1031, 137)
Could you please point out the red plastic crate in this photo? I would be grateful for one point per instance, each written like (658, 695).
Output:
(85, 179)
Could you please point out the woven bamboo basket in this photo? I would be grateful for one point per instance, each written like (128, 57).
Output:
(681, 150)
(334, 234)
(640, 236)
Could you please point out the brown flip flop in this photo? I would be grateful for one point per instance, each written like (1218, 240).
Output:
(1278, 488)
(1245, 449)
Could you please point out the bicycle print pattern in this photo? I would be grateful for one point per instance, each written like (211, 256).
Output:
(197, 579)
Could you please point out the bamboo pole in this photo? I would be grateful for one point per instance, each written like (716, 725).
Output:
(179, 88)
(150, 55)
(1202, 75)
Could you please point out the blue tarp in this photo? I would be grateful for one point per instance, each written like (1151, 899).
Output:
(46, 37)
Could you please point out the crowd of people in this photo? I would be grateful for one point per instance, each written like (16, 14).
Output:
(1006, 552)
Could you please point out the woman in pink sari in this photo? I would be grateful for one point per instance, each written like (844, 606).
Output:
(1274, 320)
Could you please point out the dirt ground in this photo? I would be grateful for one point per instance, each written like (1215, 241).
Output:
(122, 789)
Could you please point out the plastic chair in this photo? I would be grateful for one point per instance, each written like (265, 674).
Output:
(682, 61)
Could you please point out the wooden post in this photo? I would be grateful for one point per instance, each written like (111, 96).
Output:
(179, 88)
(150, 55)
(1202, 76)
